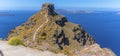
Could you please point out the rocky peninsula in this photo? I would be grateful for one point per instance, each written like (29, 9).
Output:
(50, 31)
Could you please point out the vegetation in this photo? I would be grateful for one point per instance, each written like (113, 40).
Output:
(15, 41)
(42, 37)
(65, 51)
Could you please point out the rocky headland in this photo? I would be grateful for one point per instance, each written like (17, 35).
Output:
(50, 31)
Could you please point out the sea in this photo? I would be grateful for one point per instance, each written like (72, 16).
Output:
(104, 26)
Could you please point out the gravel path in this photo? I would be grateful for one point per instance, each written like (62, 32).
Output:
(35, 33)
(8, 50)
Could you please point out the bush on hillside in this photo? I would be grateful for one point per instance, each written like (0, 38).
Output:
(15, 41)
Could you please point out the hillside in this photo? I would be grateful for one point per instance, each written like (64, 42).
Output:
(48, 30)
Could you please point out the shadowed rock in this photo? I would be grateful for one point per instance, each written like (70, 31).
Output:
(49, 8)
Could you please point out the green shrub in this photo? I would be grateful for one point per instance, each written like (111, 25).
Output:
(65, 51)
(42, 37)
(15, 41)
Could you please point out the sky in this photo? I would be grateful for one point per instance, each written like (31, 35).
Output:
(36, 4)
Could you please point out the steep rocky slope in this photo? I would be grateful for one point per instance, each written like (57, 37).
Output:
(94, 50)
(47, 30)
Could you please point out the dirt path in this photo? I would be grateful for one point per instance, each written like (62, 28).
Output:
(35, 33)
(8, 50)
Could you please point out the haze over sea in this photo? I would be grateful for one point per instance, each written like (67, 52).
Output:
(102, 25)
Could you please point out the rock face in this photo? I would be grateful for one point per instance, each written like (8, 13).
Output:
(49, 8)
(94, 50)
(48, 30)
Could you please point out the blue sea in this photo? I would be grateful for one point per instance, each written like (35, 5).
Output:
(103, 26)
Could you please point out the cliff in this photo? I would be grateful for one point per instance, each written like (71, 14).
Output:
(47, 30)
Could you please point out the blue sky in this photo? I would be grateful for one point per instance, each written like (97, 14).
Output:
(35, 4)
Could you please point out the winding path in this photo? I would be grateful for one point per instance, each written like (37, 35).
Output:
(35, 33)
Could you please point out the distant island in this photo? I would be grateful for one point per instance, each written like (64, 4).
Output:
(74, 12)
(6, 14)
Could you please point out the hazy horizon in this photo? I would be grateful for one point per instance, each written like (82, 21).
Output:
(61, 4)
(66, 8)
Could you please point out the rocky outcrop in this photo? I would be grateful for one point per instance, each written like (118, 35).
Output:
(49, 8)
(53, 32)
(94, 50)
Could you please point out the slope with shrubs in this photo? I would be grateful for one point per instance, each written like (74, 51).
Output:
(57, 35)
